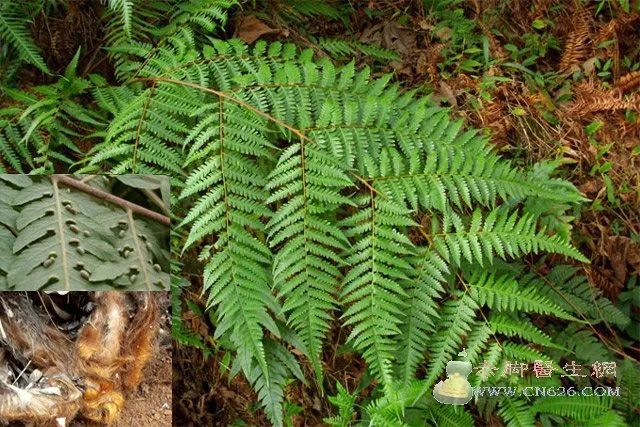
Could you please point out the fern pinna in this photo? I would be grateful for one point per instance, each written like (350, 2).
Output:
(317, 196)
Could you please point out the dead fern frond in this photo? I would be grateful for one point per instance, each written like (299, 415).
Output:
(616, 26)
(628, 82)
(590, 98)
(495, 116)
(578, 44)
(605, 102)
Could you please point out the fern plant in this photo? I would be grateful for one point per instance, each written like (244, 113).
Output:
(311, 179)
(14, 31)
(54, 240)
(42, 125)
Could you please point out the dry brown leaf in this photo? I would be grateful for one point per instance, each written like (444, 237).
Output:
(391, 36)
(446, 90)
(623, 251)
(251, 29)
(590, 187)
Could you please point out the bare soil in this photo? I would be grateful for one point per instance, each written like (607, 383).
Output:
(150, 405)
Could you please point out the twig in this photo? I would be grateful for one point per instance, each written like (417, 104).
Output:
(21, 373)
(125, 204)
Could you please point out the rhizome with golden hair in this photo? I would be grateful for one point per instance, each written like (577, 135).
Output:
(66, 356)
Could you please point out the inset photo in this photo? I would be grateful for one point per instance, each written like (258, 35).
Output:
(84, 232)
(76, 359)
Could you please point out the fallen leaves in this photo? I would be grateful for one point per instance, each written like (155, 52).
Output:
(624, 255)
(251, 29)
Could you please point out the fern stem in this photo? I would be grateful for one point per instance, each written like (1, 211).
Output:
(96, 192)
(252, 108)
(63, 252)
(139, 128)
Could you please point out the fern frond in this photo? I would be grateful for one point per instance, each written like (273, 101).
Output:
(124, 10)
(450, 416)
(49, 247)
(205, 15)
(307, 185)
(501, 324)
(583, 343)
(516, 413)
(46, 121)
(437, 176)
(421, 314)
(575, 295)
(13, 149)
(628, 379)
(582, 408)
(14, 30)
(272, 150)
(179, 331)
(513, 351)
(60, 245)
(477, 339)
(456, 321)
(389, 409)
(500, 232)
(236, 277)
(505, 293)
(137, 138)
(140, 244)
(609, 419)
(341, 48)
(270, 387)
(345, 402)
(376, 283)
(299, 10)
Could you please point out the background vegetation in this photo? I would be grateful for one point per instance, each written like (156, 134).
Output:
(349, 132)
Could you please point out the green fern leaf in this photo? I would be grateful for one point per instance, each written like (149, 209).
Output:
(50, 246)
(421, 314)
(516, 413)
(375, 285)
(124, 9)
(518, 327)
(307, 184)
(59, 245)
(505, 293)
(456, 321)
(576, 295)
(582, 408)
(236, 276)
(14, 29)
(345, 402)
